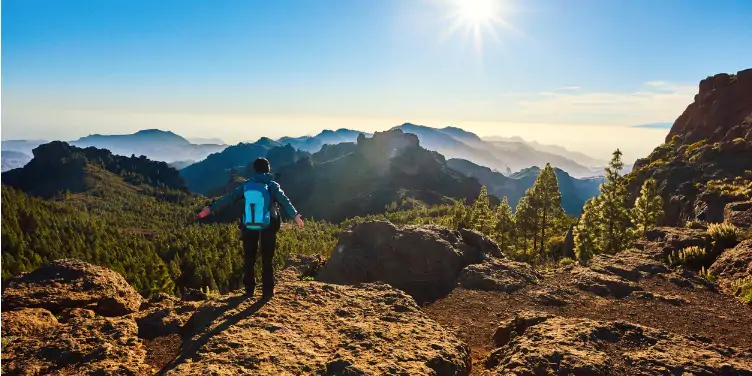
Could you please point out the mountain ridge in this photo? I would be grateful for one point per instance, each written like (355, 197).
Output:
(574, 191)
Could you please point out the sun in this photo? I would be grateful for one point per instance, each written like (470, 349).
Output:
(478, 19)
(477, 11)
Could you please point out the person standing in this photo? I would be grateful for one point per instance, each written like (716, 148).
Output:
(261, 221)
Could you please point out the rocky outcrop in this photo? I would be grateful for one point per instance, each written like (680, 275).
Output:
(541, 344)
(307, 328)
(71, 283)
(422, 261)
(298, 267)
(163, 315)
(618, 275)
(721, 110)
(603, 284)
(704, 164)
(317, 328)
(28, 322)
(733, 264)
(552, 296)
(498, 275)
(663, 241)
(738, 214)
(82, 343)
(630, 264)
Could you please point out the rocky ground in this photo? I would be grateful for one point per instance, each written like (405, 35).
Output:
(628, 313)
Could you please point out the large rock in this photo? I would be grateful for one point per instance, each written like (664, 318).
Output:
(739, 214)
(162, 317)
(630, 264)
(35, 343)
(722, 107)
(663, 241)
(540, 344)
(705, 161)
(71, 283)
(28, 322)
(319, 329)
(603, 284)
(298, 267)
(733, 264)
(498, 275)
(422, 261)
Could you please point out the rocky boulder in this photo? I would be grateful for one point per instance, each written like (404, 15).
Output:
(300, 266)
(423, 261)
(163, 316)
(28, 322)
(630, 264)
(322, 329)
(541, 344)
(603, 284)
(733, 264)
(739, 214)
(498, 275)
(71, 283)
(663, 241)
(82, 343)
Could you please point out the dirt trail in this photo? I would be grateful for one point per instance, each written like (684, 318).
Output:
(474, 315)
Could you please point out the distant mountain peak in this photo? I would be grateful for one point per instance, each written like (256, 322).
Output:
(155, 131)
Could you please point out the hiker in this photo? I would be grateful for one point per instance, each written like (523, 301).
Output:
(261, 221)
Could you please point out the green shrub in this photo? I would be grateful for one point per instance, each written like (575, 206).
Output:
(692, 257)
(566, 261)
(724, 232)
(695, 224)
(706, 275)
(743, 289)
(555, 246)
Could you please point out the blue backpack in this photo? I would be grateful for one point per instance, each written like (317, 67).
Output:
(258, 202)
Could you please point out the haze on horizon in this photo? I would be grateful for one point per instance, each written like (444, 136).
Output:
(579, 74)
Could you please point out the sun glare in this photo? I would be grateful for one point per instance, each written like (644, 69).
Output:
(477, 11)
(478, 19)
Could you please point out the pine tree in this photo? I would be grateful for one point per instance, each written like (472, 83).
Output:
(546, 202)
(587, 231)
(524, 219)
(482, 217)
(614, 218)
(504, 225)
(460, 214)
(648, 208)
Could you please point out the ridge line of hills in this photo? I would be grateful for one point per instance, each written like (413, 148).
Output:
(505, 155)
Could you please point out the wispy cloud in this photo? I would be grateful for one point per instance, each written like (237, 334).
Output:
(656, 83)
(655, 102)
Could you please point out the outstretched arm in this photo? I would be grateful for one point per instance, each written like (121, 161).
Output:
(282, 198)
(227, 199)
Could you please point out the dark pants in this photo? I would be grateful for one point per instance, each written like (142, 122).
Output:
(268, 240)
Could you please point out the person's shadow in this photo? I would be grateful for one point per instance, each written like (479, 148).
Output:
(190, 347)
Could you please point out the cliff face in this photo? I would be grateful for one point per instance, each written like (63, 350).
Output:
(722, 110)
(706, 162)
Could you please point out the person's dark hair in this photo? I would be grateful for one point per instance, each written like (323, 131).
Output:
(261, 165)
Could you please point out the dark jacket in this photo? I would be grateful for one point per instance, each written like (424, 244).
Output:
(276, 192)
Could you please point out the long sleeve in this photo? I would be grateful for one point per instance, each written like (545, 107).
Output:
(229, 198)
(282, 199)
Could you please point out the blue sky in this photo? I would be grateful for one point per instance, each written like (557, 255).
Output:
(571, 72)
